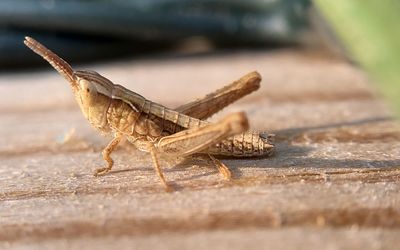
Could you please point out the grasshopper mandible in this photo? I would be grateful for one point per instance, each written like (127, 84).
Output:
(154, 128)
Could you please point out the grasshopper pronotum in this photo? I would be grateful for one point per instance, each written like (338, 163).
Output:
(151, 127)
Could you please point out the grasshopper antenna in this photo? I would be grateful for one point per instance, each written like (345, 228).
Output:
(58, 63)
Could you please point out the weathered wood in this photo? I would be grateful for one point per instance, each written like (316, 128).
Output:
(334, 181)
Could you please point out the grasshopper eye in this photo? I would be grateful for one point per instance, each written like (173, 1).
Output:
(87, 90)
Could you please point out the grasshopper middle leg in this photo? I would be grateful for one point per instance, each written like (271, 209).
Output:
(157, 167)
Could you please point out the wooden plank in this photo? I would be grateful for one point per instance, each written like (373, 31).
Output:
(335, 174)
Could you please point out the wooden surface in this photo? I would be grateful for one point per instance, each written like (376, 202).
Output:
(333, 183)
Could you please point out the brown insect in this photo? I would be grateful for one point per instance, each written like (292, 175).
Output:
(151, 127)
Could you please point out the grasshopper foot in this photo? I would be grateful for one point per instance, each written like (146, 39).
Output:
(168, 188)
(102, 171)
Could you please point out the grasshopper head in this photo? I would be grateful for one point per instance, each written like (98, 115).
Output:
(94, 97)
(92, 91)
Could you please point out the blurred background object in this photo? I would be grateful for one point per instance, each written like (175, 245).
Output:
(369, 30)
(87, 30)
(91, 30)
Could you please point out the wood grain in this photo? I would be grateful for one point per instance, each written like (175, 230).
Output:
(334, 181)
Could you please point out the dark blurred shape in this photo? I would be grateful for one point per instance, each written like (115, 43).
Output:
(87, 29)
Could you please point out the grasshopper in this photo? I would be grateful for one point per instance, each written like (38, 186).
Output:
(154, 128)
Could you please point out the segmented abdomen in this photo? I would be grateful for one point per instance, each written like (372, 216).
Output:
(244, 145)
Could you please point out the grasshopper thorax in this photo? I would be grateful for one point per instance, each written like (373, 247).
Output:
(94, 97)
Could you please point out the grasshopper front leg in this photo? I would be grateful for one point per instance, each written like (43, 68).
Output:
(106, 155)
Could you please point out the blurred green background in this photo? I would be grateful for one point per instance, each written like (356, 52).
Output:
(370, 31)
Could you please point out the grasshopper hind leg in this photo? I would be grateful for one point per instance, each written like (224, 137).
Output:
(222, 168)
(106, 155)
(197, 140)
